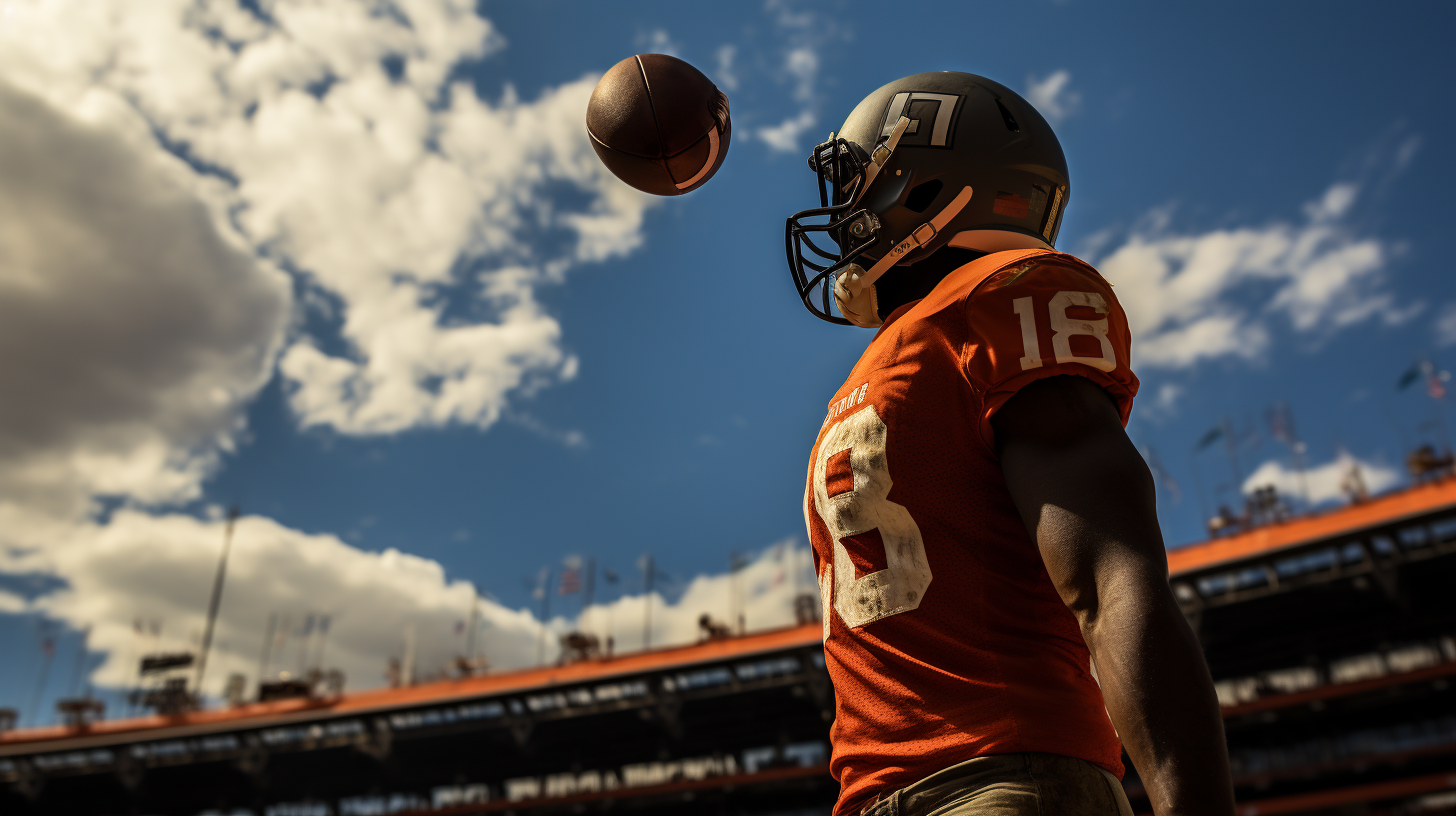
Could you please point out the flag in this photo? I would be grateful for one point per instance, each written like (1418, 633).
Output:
(1411, 375)
(610, 575)
(1435, 388)
(459, 626)
(1281, 424)
(570, 580)
(1214, 434)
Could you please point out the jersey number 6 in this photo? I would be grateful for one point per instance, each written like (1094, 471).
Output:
(851, 485)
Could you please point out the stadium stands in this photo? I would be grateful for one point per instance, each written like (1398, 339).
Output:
(1332, 640)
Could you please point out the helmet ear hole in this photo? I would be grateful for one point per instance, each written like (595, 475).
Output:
(921, 195)
(1008, 118)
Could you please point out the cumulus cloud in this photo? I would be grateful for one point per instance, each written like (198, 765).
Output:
(1327, 482)
(159, 567)
(1191, 297)
(171, 172)
(349, 154)
(134, 326)
(806, 33)
(1053, 96)
(786, 136)
(763, 591)
(140, 566)
(12, 604)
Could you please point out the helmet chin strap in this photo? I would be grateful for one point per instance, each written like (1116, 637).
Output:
(854, 287)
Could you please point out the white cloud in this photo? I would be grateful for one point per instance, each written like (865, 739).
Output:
(12, 604)
(160, 568)
(1163, 403)
(766, 587)
(385, 192)
(134, 329)
(1052, 96)
(1324, 482)
(785, 136)
(807, 34)
(1446, 326)
(1215, 294)
(160, 163)
(570, 438)
(802, 64)
(727, 77)
(658, 41)
(140, 566)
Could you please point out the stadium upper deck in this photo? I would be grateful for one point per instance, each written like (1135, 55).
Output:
(1329, 636)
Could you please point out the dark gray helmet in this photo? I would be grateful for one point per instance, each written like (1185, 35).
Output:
(931, 160)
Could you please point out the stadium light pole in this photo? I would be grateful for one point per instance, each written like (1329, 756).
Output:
(227, 542)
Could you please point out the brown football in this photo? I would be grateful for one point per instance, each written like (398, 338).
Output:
(658, 124)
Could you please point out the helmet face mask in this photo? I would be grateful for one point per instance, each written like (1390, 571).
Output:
(840, 166)
(931, 160)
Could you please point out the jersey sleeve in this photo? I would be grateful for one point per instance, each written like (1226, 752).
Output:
(1048, 316)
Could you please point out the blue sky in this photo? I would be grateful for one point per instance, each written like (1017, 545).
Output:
(370, 284)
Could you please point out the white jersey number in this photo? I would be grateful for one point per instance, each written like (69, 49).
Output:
(1064, 329)
(864, 511)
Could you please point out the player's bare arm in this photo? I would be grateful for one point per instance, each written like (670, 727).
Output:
(1087, 498)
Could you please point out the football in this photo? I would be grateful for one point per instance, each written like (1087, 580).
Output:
(658, 124)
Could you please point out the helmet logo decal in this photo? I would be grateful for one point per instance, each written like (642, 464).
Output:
(930, 112)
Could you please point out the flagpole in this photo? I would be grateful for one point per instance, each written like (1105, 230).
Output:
(1298, 447)
(303, 645)
(545, 616)
(227, 543)
(474, 615)
(1437, 392)
(48, 651)
(324, 623)
(80, 663)
(647, 570)
(733, 590)
(589, 592)
(1230, 444)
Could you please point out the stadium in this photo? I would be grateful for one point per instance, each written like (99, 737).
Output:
(1331, 638)
(490, 341)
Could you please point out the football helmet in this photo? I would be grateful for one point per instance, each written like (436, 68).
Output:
(928, 161)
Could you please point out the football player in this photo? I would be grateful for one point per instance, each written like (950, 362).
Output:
(996, 605)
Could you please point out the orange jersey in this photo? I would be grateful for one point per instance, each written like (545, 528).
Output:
(943, 634)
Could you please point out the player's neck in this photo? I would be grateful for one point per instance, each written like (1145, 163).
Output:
(910, 283)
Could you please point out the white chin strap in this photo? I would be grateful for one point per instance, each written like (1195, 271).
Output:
(854, 288)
